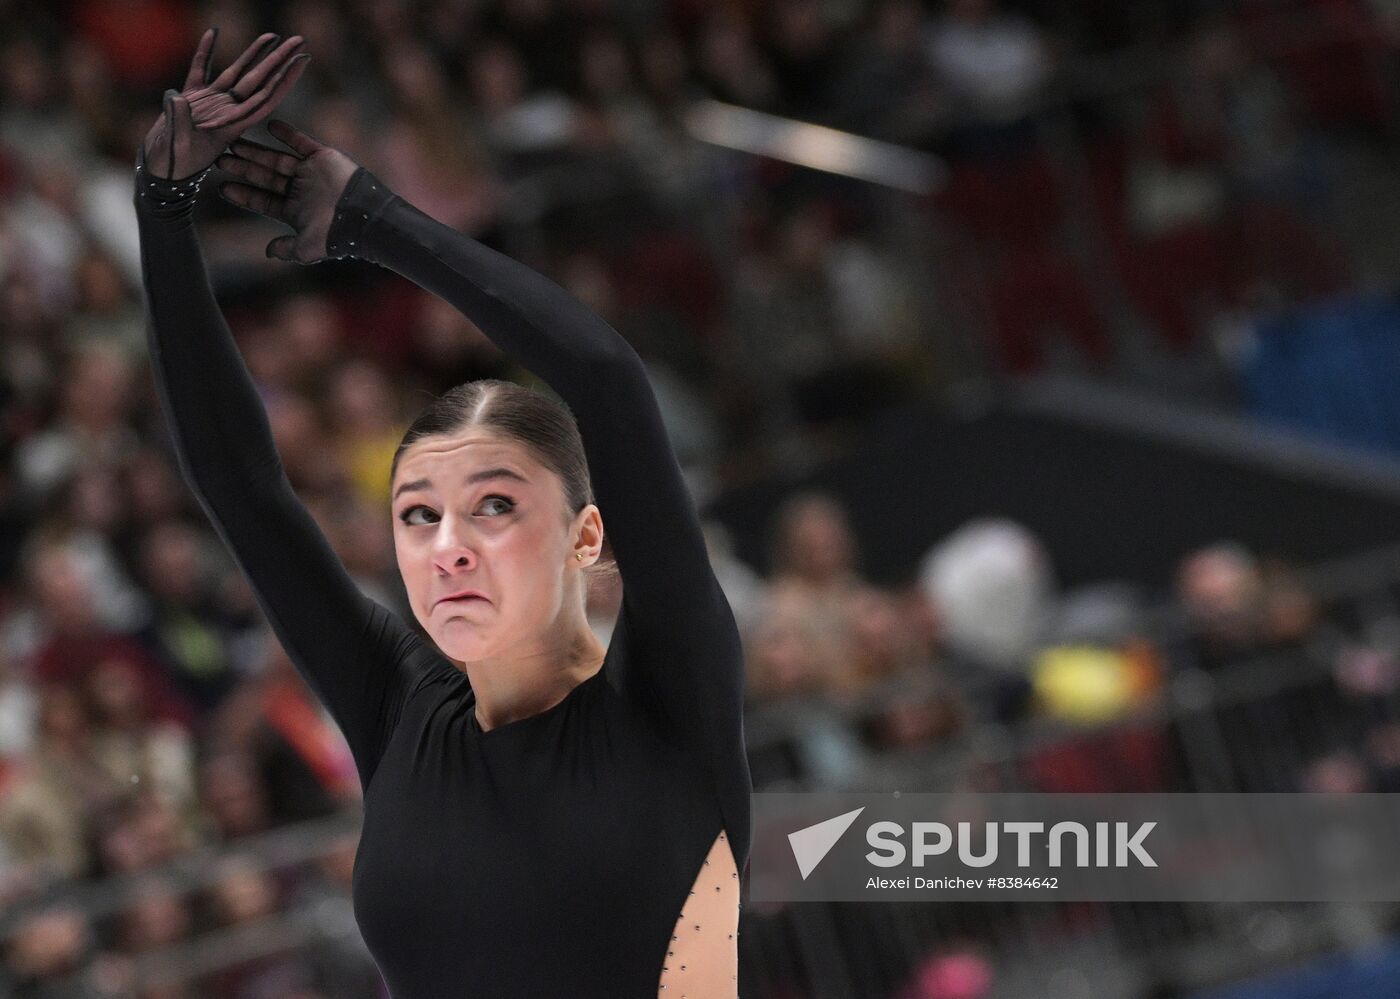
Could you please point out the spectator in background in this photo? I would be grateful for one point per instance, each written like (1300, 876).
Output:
(802, 50)
(234, 803)
(302, 442)
(814, 559)
(447, 348)
(46, 803)
(19, 717)
(154, 491)
(91, 426)
(46, 950)
(325, 27)
(364, 542)
(72, 637)
(730, 65)
(137, 830)
(787, 657)
(35, 121)
(365, 412)
(885, 87)
(1097, 665)
(522, 128)
(649, 111)
(785, 319)
(544, 33)
(156, 915)
(881, 645)
(1222, 591)
(300, 757)
(27, 365)
(429, 153)
(994, 65)
(245, 893)
(188, 626)
(44, 218)
(312, 329)
(130, 747)
(993, 591)
(805, 737)
(1291, 612)
(86, 519)
(106, 310)
(745, 589)
(899, 696)
(274, 735)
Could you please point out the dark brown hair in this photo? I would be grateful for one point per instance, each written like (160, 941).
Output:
(537, 420)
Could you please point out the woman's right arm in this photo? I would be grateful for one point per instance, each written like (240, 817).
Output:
(356, 655)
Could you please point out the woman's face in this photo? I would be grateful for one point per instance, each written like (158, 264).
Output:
(473, 511)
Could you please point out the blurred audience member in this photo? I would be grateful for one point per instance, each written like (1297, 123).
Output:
(45, 807)
(993, 63)
(1222, 591)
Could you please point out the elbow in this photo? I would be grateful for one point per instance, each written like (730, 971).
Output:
(618, 362)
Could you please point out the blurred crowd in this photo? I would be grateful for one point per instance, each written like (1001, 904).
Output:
(146, 714)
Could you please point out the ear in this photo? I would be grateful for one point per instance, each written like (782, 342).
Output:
(587, 533)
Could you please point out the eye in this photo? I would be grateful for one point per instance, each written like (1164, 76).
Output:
(408, 514)
(508, 504)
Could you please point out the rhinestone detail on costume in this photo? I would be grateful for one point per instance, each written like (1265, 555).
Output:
(699, 957)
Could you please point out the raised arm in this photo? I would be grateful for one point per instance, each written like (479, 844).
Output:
(356, 655)
(683, 651)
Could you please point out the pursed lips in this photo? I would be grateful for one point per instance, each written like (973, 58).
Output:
(460, 598)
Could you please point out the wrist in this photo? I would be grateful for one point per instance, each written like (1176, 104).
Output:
(168, 196)
(352, 223)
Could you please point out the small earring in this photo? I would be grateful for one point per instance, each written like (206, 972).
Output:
(579, 556)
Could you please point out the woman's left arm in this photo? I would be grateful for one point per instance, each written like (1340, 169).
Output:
(683, 648)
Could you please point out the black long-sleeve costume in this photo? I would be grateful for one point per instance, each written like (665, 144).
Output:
(549, 856)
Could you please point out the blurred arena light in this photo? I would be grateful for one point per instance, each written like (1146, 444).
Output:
(815, 146)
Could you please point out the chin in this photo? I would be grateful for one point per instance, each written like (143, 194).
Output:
(459, 647)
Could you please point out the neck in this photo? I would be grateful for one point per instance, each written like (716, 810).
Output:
(511, 687)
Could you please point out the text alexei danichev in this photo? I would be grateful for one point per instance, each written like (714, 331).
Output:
(954, 882)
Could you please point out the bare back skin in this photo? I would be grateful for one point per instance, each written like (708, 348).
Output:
(702, 961)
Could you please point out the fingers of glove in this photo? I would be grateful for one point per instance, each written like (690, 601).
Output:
(198, 75)
(261, 104)
(304, 144)
(182, 116)
(254, 173)
(283, 248)
(255, 199)
(279, 160)
(268, 66)
(168, 107)
(179, 109)
(257, 47)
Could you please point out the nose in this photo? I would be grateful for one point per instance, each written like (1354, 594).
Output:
(450, 549)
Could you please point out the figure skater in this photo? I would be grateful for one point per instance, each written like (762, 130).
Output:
(543, 817)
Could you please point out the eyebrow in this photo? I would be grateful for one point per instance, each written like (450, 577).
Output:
(475, 477)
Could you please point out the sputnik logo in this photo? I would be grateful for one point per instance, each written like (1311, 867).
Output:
(813, 843)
